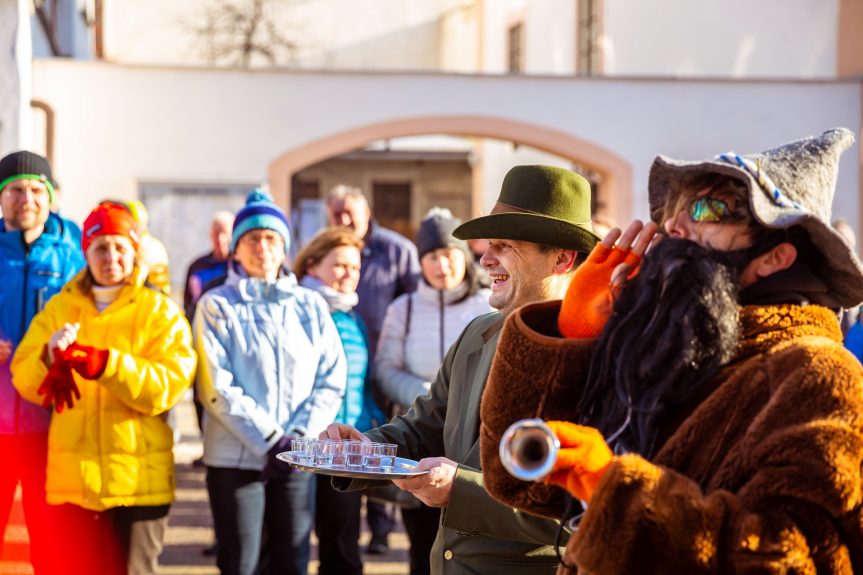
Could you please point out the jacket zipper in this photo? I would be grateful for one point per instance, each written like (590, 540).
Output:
(23, 331)
(442, 315)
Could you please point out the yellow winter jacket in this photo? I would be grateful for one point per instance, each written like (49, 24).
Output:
(114, 447)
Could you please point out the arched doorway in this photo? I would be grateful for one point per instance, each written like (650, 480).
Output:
(615, 187)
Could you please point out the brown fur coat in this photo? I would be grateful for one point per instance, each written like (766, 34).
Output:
(764, 476)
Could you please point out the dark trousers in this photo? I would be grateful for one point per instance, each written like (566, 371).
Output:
(421, 525)
(380, 519)
(23, 459)
(117, 541)
(337, 525)
(247, 512)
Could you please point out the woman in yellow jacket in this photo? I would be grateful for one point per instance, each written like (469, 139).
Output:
(128, 349)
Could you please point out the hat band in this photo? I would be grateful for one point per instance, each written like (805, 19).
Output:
(504, 208)
(754, 169)
(39, 178)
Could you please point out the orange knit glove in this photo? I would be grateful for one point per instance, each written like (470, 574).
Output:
(59, 386)
(588, 304)
(582, 460)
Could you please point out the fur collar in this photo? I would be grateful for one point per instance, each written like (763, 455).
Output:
(765, 327)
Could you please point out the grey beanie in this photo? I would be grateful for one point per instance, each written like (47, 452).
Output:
(436, 232)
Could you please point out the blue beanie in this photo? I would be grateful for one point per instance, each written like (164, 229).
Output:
(260, 213)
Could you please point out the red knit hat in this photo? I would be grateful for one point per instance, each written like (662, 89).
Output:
(109, 218)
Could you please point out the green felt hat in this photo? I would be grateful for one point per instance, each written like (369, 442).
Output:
(541, 205)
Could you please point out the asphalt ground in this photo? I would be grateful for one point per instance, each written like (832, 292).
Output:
(190, 525)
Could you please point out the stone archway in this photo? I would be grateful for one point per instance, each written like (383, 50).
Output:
(616, 186)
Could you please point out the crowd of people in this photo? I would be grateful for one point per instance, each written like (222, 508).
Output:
(691, 369)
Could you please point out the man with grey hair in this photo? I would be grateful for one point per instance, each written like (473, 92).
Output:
(209, 267)
(390, 268)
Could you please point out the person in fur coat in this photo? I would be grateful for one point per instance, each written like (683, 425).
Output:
(712, 422)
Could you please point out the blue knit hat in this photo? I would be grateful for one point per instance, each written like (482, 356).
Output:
(260, 213)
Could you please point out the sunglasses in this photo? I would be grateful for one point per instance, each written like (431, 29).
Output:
(707, 209)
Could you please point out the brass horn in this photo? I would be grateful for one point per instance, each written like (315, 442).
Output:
(529, 449)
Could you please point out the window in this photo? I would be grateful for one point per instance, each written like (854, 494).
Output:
(516, 48)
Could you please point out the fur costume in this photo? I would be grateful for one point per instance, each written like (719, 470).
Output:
(761, 475)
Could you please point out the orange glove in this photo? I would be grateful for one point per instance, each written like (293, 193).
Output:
(588, 303)
(582, 460)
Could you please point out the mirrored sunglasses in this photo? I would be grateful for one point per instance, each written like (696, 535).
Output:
(707, 209)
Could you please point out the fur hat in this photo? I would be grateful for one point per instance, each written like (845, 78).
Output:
(260, 212)
(24, 165)
(538, 204)
(788, 186)
(436, 232)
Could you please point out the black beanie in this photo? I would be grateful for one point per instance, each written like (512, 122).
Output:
(21, 164)
(436, 232)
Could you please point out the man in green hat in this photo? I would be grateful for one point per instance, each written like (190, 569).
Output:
(537, 231)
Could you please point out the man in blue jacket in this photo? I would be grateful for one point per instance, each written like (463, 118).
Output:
(38, 254)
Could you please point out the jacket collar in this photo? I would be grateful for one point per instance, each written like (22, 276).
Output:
(252, 289)
(432, 295)
(52, 233)
(763, 327)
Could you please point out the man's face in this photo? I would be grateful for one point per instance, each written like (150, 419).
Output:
(261, 252)
(25, 204)
(350, 212)
(220, 236)
(519, 273)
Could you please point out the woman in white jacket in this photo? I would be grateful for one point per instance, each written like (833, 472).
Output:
(418, 330)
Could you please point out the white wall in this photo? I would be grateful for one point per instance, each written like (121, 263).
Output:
(732, 38)
(117, 125)
(550, 37)
(341, 34)
(15, 76)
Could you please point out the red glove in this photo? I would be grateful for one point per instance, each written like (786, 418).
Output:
(59, 386)
(88, 361)
(588, 303)
(582, 460)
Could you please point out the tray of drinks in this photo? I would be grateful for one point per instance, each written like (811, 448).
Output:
(356, 459)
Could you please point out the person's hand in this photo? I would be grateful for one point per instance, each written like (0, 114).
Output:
(5, 350)
(62, 338)
(588, 302)
(583, 458)
(433, 488)
(59, 386)
(89, 362)
(337, 431)
(275, 468)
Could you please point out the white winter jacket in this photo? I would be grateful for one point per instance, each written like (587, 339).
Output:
(410, 353)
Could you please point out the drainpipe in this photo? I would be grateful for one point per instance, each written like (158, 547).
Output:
(49, 127)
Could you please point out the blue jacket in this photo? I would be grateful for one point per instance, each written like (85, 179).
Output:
(270, 362)
(358, 408)
(390, 268)
(29, 276)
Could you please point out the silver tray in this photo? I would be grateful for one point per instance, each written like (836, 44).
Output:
(402, 469)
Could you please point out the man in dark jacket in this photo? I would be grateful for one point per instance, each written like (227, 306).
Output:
(210, 268)
(38, 254)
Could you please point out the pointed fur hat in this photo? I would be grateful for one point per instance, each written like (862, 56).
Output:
(789, 185)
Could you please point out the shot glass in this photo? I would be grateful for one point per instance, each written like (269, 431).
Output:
(339, 453)
(388, 457)
(298, 449)
(323, 453)
(372, 457)
(354, 452)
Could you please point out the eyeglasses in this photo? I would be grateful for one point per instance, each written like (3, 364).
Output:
(707, 209)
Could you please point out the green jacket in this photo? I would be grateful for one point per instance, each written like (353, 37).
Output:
(476, 534)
